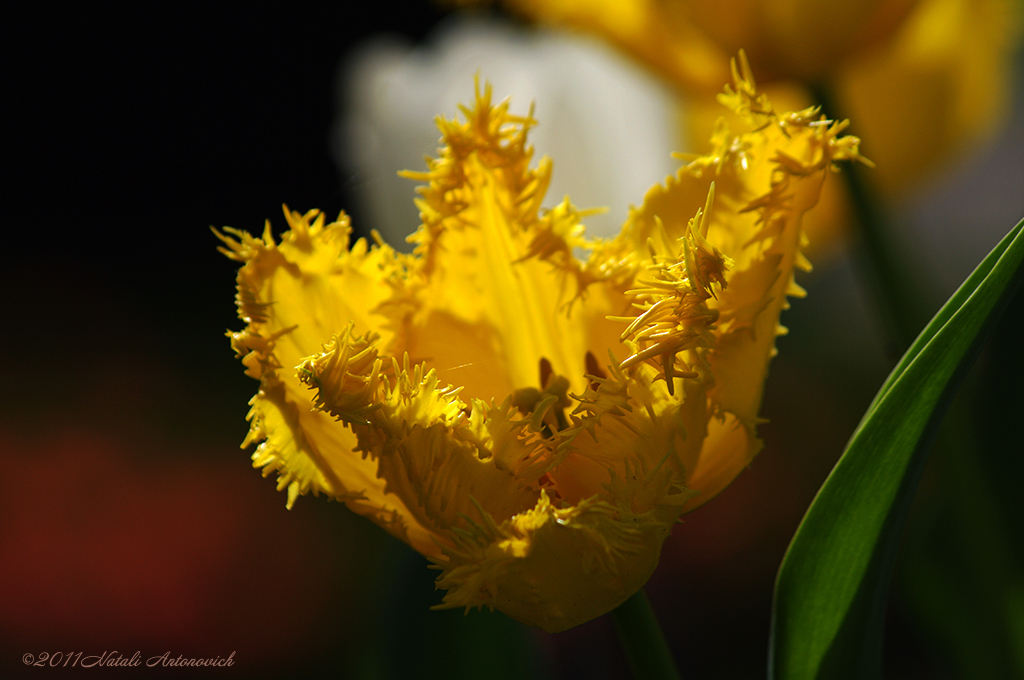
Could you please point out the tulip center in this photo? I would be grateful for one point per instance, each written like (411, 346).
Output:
(545, 406)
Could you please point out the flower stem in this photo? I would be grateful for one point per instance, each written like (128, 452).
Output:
(642, 639)
(892, 288)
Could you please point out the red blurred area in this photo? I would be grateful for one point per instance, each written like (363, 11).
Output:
(103, 549)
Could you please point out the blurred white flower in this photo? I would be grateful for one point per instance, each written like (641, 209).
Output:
(609, 125)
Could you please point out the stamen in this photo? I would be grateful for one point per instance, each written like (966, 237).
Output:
(545, 407)
(545, 371)
(594, 370)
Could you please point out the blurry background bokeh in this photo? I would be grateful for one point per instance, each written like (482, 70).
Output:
(131, 521)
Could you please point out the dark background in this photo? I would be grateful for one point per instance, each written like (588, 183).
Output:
(130, 520)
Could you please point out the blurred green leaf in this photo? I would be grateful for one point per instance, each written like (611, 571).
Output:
(831, 589)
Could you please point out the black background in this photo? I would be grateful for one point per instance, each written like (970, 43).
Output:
(128, 132)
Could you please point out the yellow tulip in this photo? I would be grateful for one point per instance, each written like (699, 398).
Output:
(532, 422)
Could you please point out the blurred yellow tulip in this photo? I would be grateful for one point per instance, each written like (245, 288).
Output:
(689, 41)
(923, 80)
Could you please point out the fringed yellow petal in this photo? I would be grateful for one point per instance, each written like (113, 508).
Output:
(730, 445)
(417, 431)
(291, 294)
(795, 152)
(674, 296)
(346, 376)
(550, 567)
(767, 170)
(830, 218)
(489, 271)
(629, 423)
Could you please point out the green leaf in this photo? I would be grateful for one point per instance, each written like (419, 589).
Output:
(831, 589)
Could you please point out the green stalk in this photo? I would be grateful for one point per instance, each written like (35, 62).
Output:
(642, 639)
(894, 292)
